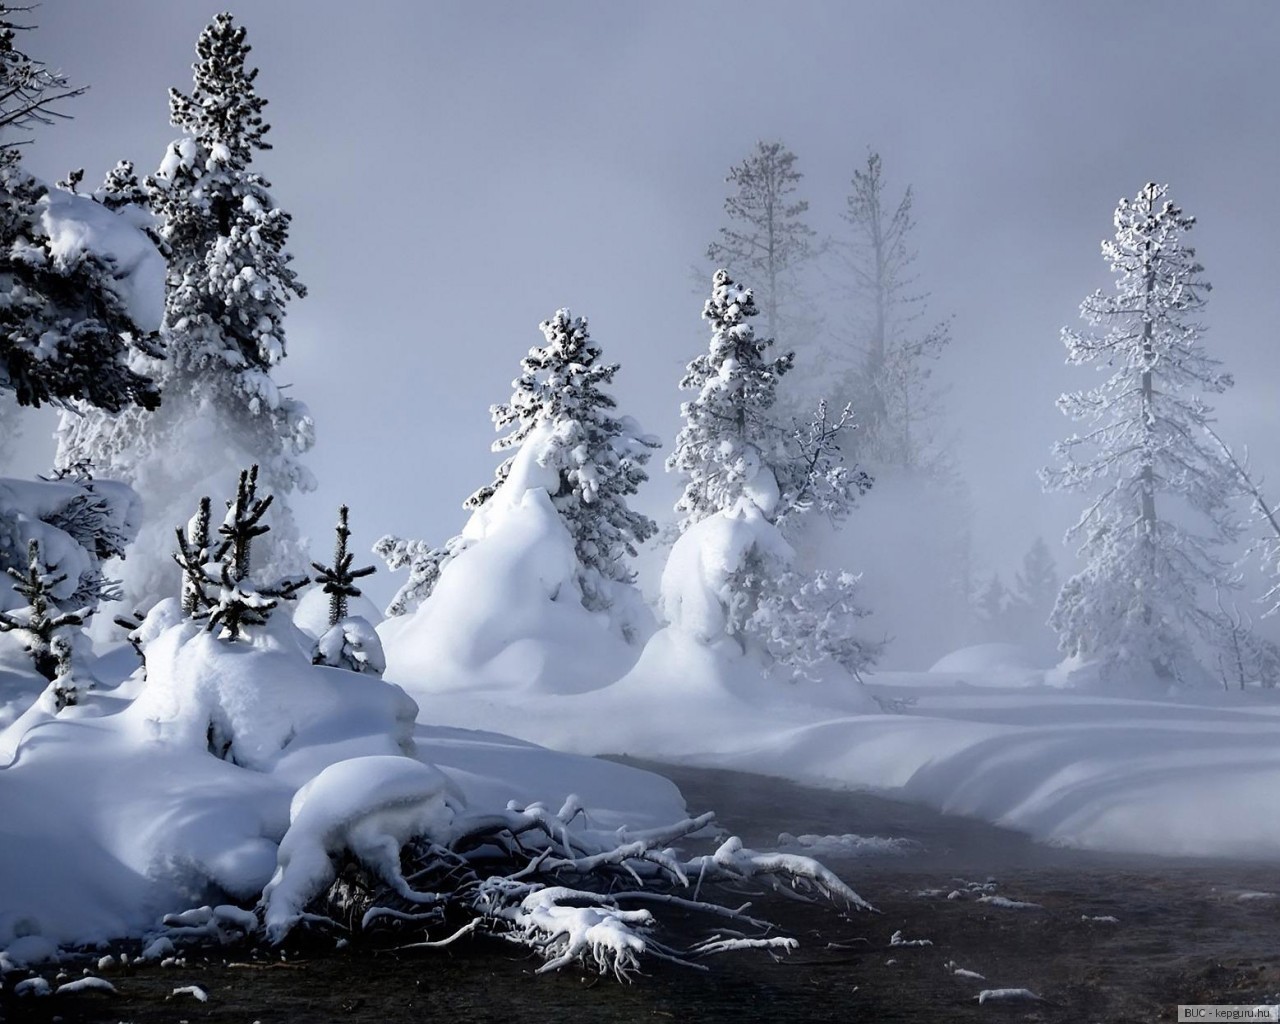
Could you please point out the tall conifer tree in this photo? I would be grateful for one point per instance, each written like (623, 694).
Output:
(1144, 458)
(228, 285)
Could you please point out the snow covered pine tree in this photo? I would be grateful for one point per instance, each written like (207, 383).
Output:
(742, 466)
(80, 307)
(598, 456)
(228, 283)
(350, 642)
(69, 317)
(218, 585)
(1140, 600)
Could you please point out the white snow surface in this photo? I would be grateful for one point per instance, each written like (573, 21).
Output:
(1197, 775)
(118, 811)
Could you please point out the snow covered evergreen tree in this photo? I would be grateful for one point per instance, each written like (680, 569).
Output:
(597, 457)
(229, 282)
(1141, 599)
(350, 642)
(80, 307)
(70, 324)
(39, 624)
(730, 445)
(733, 445)
(218, 583)
(748, 476)
(767, 238)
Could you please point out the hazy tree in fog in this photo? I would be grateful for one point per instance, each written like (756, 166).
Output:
(228, 284)
(767, 239)
(1144, 458)
(890, 381)
(995, 610)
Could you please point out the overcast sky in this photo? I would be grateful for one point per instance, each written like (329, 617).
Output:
(458, 171)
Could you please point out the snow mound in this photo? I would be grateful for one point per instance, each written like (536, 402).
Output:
(992, 664)
(695, 583)
(262, 705)
(507, 614)
(368, 807)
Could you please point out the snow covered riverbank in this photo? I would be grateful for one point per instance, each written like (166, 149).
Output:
(1198, 775)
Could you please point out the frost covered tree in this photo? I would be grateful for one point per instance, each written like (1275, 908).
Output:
(730, 441)
(767, 238)
(1154, 531)
(560, 403)
(746, 477)
(70, 325)
(31, 90)
(229, 281)
(1265, 514)
(424, 563)
(734, 446)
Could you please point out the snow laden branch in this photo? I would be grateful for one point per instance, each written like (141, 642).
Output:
(381, 848)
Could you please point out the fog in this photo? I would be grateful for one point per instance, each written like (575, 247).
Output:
(456, 172)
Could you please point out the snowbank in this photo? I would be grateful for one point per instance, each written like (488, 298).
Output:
(1181, 778)
(506, 613)
(239, 763)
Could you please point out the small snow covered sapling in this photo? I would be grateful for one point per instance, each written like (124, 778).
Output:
(339, 579)
(238, 601)
(350, 642)
(36, 626)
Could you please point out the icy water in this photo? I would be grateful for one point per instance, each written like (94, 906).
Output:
(1183, 933)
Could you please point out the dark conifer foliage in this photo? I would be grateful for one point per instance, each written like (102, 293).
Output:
(339, 579)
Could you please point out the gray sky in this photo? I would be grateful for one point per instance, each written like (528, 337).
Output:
(458, 171)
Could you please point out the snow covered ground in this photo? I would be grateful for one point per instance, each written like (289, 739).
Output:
(115, 813)
(981, 734)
